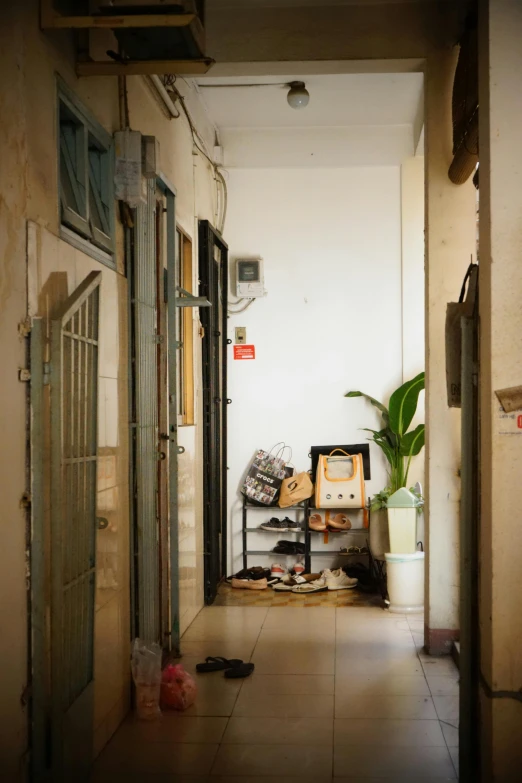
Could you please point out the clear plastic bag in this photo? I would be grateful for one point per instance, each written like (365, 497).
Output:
(146, 673)
(178, 688)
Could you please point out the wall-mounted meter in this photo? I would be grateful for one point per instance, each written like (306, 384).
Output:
(250, 281)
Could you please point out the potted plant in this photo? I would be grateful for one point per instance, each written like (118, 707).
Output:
(398, 445)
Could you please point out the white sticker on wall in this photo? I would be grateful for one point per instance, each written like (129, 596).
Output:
(509, 423)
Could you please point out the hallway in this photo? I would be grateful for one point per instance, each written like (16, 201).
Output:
(338, 694)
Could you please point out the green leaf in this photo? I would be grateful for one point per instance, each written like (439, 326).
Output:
(383, 410)
(403, 404)
(412, 442)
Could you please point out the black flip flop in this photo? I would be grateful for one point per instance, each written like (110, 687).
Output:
(217, 664)
(239, 672)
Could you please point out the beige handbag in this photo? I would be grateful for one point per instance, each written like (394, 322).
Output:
(295, 489)
(340, 481)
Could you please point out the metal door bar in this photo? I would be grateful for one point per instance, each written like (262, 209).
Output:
(39, 707)
(170, 196)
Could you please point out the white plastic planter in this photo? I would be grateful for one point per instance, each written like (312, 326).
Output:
(405, 578)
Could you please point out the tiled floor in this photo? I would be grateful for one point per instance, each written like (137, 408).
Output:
(338, 694)
(228, 596)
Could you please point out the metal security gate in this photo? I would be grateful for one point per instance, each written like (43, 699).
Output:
(63, 692)
(145, 436)
(213, 273)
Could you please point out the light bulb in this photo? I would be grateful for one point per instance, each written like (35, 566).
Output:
(298, 96)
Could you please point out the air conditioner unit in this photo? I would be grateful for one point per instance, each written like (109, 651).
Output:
(164, 42)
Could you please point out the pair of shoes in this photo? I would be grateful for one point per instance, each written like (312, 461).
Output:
(289, 548)
(354, 550)
(255, 572)
(338, 522)
(282, 526)
(249, 584)
(328, 580)
(289, 582)
(234, 668)
(280, 571)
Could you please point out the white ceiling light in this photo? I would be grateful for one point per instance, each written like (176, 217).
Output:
(298, 96)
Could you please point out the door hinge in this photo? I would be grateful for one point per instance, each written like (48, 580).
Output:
(24, 328)
(158, 339)
(24, 375)
(46, 374)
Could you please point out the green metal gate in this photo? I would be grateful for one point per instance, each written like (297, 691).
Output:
(145, 436)
(63, 585)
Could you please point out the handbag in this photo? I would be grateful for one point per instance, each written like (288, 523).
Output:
(340, 481)
(265, 476)
(295, 489)
(455, 311)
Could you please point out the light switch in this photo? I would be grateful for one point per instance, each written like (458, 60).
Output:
(240, 335)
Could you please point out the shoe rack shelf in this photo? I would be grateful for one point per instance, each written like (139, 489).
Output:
(248, 507)
(306, 508)
(309, 552)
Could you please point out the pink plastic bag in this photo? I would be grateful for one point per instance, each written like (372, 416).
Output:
(178, 689)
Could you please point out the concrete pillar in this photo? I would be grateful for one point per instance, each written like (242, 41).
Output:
(450, 242)
(500, 601)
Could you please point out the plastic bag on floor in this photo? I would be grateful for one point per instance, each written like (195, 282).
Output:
(178, 688)
(146, 673)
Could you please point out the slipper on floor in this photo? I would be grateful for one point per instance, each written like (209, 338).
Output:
(238, 672)
(217, 664)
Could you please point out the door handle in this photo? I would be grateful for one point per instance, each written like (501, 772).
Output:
(229, 401)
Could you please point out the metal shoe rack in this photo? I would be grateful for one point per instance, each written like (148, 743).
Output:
(307, 509)
(248, 507)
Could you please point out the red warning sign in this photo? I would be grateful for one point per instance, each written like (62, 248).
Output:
(244, 352)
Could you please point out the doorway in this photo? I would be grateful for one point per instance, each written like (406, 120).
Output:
(213, 274)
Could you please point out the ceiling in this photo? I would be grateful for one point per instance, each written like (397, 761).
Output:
(352, 119)
(337, 100)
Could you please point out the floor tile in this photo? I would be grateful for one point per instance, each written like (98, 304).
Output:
(454, 753)
(158, 758)
(447, 708)
(451, 734)
(267, 705)
(398, 685)
(399, 707)
(377, 669)
(319, 684)
(226, 623)
(216, 696)
(229, 648)
(173, 727)
(438, 667)
(274, 760)
(424, 762)
(305, 658)
(443, 686)
(279, 731)
(285, 617)
(397, 733)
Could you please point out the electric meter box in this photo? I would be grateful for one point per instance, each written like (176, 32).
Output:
(250, 281)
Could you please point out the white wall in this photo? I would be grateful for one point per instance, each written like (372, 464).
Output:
(413, 339)
(331, 321)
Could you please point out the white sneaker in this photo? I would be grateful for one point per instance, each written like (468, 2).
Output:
(338, 580)
(315, 586)
(278, 570)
